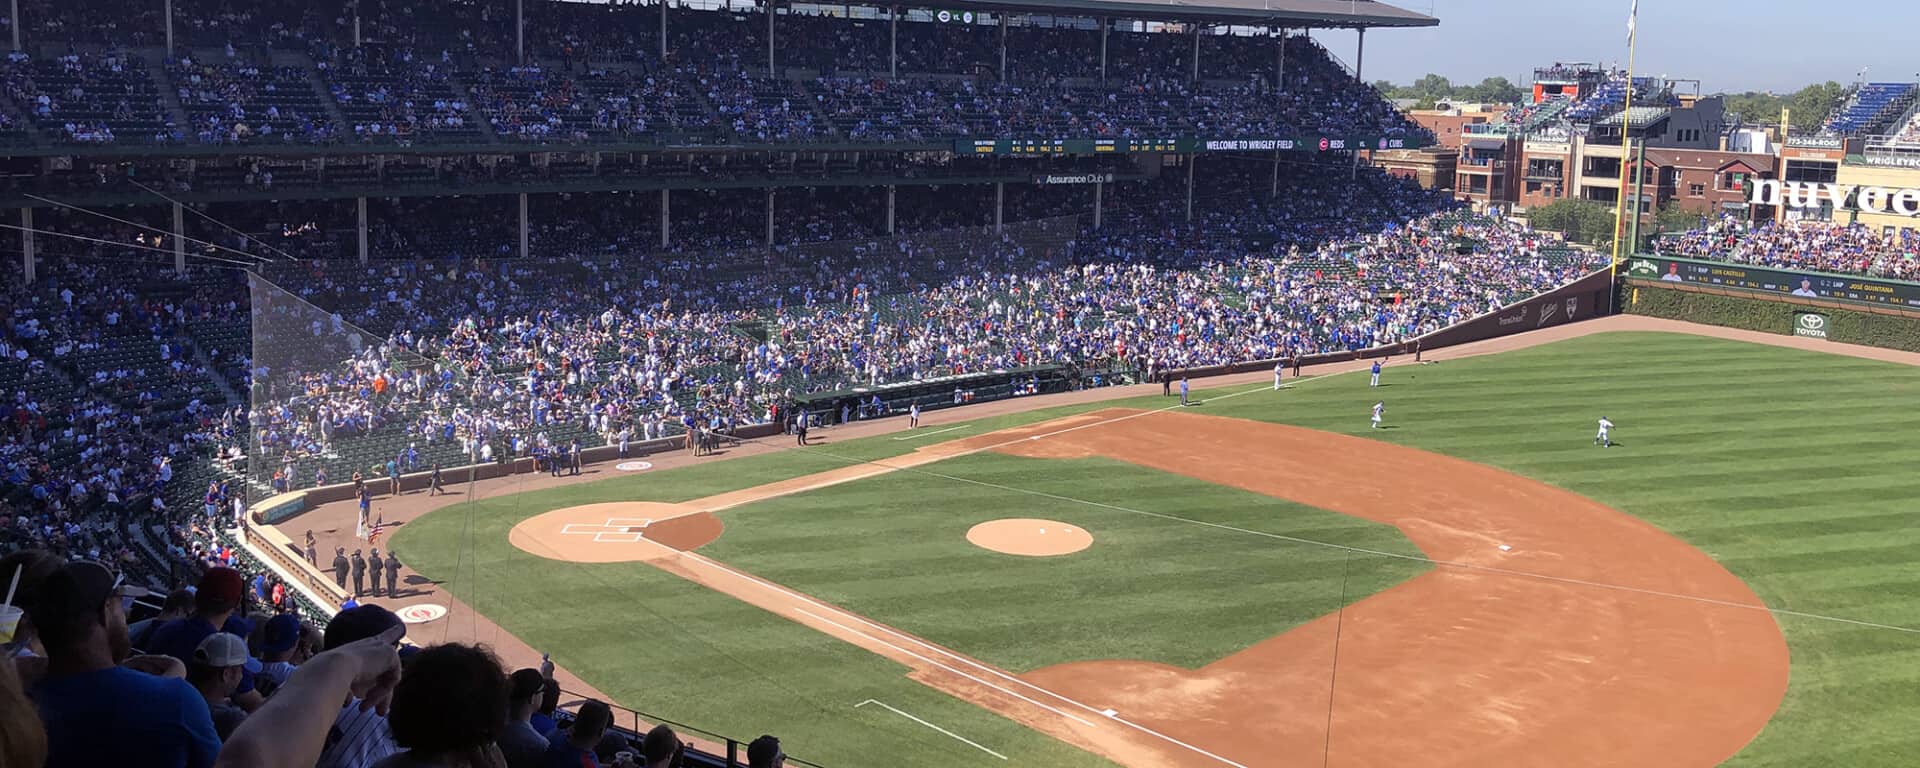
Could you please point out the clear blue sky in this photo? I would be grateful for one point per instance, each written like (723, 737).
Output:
(1761, 45)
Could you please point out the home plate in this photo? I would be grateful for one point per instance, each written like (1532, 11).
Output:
(1505, 548)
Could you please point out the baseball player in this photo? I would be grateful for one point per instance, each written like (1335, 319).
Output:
(1376, 375)
(1602, 439)
(1378, 408)
(1279, 368)
(1183, 391)
(913, 416)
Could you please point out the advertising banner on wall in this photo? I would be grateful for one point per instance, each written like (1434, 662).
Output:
(1812, 325)
(1806, 285)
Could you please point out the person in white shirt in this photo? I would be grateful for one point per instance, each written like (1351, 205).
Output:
(1378, 408)
(1279, 367)
(1602, 439)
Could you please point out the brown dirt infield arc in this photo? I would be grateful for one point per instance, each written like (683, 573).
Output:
(1594, 638)
(1029, 537)
(1463, 688)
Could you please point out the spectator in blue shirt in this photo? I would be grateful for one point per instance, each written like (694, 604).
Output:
(214, 603)
(100, 714)
(573, 747)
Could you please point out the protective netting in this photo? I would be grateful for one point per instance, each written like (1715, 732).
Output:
(329, 398)
(522, 357)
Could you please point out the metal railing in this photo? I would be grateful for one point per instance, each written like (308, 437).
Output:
(732, 752)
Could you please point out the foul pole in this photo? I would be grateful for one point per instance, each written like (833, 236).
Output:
(1626, 144)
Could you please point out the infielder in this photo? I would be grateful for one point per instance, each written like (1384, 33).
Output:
(1376, 375)
(1602, 439)
(1378, 408)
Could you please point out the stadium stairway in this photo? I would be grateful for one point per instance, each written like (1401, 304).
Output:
(318, 82)
(479, 118)
(169, 97)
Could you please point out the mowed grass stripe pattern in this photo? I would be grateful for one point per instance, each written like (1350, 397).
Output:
(894, 548)
(1793, 468)
(664, 645)
(1798, 471)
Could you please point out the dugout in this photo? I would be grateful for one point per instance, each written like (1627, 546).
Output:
(823, 408)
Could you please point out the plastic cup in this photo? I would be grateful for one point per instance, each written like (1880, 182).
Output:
(9, 621)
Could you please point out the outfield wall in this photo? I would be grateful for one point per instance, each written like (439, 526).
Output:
(1582, 299)
(1772, 312)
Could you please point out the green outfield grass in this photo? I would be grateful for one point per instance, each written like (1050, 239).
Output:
(1794, 469)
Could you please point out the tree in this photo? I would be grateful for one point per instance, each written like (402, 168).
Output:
(1671, 218)
(1755, 107)
(1432, 86)
(1493, 89)
(1812, 104)
(1581, 221)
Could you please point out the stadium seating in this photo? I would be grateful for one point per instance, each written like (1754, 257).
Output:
(1871, 108)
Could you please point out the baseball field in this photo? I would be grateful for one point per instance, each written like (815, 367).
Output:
(1262, 579)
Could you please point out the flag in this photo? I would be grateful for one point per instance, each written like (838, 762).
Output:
(1633, 17)
(373, 533)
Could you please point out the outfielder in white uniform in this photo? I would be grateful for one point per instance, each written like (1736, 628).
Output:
(1602, 439)
(1278, 369)
(1378, 408)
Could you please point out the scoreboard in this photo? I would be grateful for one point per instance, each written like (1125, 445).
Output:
(1806, 285)
(1166, 144)
(1071, 146)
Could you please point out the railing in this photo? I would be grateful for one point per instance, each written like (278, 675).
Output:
(731, 752)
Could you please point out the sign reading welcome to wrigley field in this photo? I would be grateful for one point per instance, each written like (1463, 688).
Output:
(1175, 145)
(1806, 285)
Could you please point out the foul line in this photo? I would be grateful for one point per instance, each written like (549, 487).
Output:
(809, 600)
(957, 737)
(702, 559)
(1002, 689)
(919, 434)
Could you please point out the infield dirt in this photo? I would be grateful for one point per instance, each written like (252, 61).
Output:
(1517, 680)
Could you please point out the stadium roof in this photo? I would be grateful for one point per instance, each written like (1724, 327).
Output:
(1295, 13)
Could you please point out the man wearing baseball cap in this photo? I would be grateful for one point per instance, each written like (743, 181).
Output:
(215, 602)
(277, 643)
(215, 673)
(98, 713)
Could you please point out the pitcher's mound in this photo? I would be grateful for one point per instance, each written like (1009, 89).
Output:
(1032, 538)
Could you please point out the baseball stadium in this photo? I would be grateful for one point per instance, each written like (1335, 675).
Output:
(744, 383)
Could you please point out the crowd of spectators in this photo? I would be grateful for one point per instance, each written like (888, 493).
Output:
(1851, 249)
(417, 76)
(126, 442)
(209, 682)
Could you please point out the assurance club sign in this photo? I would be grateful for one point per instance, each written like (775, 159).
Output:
(1839, 197)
